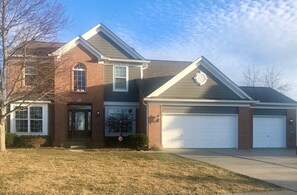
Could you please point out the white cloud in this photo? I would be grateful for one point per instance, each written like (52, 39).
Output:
(231, 34)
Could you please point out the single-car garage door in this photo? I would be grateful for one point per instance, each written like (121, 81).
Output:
(199, 131)
(269, 131)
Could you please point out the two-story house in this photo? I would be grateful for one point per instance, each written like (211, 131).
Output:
(108, 89)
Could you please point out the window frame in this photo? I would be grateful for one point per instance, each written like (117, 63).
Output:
(29, 106)
(110, 134)
(73, 70)
(114, 78)
(33, 67)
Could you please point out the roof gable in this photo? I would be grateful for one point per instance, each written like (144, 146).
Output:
(102, 43)
(107, 47)
(187, 88)
(210, 68)
(113, 46)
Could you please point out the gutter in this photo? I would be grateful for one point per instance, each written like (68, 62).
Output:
(125, 60)
(199, 101)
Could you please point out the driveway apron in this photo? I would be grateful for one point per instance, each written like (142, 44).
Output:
(276, 166)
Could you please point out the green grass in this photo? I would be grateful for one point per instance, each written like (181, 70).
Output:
(53, 171)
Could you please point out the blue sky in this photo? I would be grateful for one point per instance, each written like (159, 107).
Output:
(231, 34)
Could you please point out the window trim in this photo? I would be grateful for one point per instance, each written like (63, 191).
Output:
(72, 86)
(127, 79)
(35, 74)
(110, 134)
(44, 119)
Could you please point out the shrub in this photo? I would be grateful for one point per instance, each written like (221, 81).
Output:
(137, 141)
(114, 142)
(31, 141)
(10, 139)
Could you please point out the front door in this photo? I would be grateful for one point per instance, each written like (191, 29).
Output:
(79, 123)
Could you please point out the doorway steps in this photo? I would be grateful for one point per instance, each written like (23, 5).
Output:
(76, 144)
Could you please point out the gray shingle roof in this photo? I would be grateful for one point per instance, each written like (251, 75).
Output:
(40, 48)
(158, 73)
(266, 94)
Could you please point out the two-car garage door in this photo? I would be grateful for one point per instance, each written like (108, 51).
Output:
(199, 131)
(219, 131)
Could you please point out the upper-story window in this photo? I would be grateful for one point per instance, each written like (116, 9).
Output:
(30, 75)
(120, 78)
(79, 78)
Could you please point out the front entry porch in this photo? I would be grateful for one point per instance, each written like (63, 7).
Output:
(79, 122)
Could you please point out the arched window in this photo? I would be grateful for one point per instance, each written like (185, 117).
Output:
(79, 77)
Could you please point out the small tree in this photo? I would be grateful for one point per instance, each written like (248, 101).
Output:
(22, 22)
(270, 77)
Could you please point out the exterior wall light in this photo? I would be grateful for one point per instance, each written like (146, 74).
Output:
(291, 121)
(97, 113)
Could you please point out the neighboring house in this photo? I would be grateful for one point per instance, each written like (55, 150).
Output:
(111, 90)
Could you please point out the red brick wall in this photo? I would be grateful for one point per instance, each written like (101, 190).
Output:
(291, 128)
(93, 95)
(245, 127)
(154, 125)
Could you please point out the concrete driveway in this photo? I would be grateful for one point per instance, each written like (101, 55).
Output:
(277, 166)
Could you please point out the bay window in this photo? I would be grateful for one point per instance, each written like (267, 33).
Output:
(120, 120)
(31, 120)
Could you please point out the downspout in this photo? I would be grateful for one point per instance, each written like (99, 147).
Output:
(145, 66)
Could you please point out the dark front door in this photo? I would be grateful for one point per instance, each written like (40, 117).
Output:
(79, 122)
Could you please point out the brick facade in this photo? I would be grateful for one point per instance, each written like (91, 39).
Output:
(291, 128)
(245, 128)
(94, 94)
(154, 125)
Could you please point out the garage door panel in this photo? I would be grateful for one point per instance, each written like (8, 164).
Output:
(199, 131)
(269, 131)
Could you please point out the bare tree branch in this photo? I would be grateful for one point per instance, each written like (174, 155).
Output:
(23, 23)
(271, 77)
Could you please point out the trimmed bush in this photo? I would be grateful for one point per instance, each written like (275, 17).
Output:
(31, 141)
(137, 141)
(113, 142)
(10, 139)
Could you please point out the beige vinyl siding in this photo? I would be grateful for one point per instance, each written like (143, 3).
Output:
(187, 88)
(107, 47)
(130, 96)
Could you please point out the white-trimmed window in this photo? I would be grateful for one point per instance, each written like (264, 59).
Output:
(120, 120)
(29, 120)
(79, 78)
(30, 75)
(120, 78)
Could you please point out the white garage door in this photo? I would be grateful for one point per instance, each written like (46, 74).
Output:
(199, 131)
(269, 131)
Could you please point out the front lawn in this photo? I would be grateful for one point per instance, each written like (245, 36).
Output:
(53, 171)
